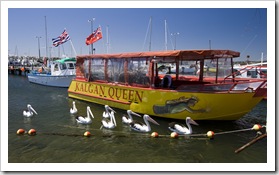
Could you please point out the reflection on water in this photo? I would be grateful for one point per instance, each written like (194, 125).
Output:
(60, 139)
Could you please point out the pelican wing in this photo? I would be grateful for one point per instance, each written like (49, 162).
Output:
(179, 128)
(138, 126)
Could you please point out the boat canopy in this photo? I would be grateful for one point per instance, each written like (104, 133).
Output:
(65, 60)
(182, 54)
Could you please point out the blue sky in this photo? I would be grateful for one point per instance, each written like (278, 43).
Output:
(239, 29)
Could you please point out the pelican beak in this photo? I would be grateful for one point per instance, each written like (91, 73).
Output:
(136, 114)
(193, 122)
(153, 121)
(111, 109)
(33, 110)
(91, 113)
(114, 120)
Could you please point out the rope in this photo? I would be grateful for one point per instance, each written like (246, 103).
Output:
(138, 134)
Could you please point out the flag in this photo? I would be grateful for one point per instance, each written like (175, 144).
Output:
(95, 36)
(64, 37)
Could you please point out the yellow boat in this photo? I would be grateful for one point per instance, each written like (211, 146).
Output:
(144, 83)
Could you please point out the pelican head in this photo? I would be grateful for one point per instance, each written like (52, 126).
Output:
(89, 112)
(30, 111)
(191, 121)
(107, 111)
(74, 109)
(150, 119)
(128, 119)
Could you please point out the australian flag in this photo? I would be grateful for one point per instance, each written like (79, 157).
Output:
(64, 37)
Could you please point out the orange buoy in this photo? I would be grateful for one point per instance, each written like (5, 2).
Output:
(257, 127)
(20, 132)
(174, 135)
(87, 134)
(32, 132)
(154, 134)
(210, 134)
(40, 70)
(22, 69)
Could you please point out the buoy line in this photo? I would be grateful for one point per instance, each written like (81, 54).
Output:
(208, 135)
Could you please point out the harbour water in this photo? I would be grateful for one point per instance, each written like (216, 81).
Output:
(60, 139)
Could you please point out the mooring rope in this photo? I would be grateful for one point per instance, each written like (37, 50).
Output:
(113, 133)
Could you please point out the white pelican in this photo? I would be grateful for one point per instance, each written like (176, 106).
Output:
(87, 119)
(109, 123)
(128, 119)
(106, 112)
(141, 127)
(73, 110)
(30, 111)
(181, 129)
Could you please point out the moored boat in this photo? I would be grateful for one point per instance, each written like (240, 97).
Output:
(60, 75)
(258, 70)
(156, 83)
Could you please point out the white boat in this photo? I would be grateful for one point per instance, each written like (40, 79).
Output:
(257, 70)
(60, 75)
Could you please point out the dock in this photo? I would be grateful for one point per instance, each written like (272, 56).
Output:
(19, 70)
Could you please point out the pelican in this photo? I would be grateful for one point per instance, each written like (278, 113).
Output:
(110, 124)
(30, 111)
(141, 127)
(106, 112)
(181, 129)
(87, 119)
(128, 119)
(73, 110)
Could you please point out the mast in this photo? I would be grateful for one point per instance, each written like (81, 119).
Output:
(150, 33)
(166, 36)
(262, 59)
(46, 37)
(107, 39)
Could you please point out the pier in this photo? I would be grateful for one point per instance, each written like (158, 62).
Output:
(19, 70)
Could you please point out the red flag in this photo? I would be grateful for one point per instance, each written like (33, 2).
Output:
(95, 36)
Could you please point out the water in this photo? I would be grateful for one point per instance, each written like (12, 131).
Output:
(60, 139)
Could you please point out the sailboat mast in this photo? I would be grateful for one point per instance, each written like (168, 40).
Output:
(166, 36)
(262, 59)
(107, 39)
(46, 37)
(150, 33)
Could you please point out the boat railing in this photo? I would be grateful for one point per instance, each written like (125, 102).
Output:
(223, 87)
(245, 69)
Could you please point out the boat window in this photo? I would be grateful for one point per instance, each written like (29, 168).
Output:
(97, 69)
(71, 65)
(116, 70)
(85, 68)
(224, 67)
(56, 67)
(138, 71)
(63, 66)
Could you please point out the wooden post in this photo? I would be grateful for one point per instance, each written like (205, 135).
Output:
(250, 143)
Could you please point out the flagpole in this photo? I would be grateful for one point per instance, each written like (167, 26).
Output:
(73, 47)
(91, 21)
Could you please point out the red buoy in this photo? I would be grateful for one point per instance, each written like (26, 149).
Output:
(32, 132)
(87, 134)
(154, 134)
(20, 131)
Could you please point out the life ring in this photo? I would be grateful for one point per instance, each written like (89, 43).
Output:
(166, 82)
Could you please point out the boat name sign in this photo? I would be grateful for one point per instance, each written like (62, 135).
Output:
(112, 92)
